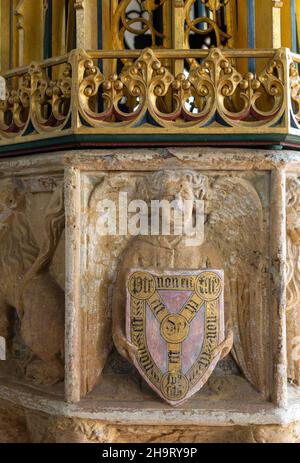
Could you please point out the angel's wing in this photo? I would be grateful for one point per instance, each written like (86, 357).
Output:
(236, 224)
(100, 259)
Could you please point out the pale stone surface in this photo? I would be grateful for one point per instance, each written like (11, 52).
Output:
(251, 231)
(31, 300)
(19, 425)
(229, 245)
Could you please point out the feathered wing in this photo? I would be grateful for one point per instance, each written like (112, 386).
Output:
(99, 265)
(236, 225)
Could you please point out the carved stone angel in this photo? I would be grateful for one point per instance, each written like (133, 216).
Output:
(233, 242)
(166, 252)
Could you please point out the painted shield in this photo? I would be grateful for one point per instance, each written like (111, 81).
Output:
(176, 321)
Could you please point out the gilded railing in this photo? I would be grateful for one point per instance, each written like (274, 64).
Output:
(115, 94)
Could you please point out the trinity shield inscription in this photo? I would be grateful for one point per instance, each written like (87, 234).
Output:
(175, 322)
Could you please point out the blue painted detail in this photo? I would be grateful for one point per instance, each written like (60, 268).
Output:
(277, 124)
(68, 124)
(48, 31)
(251, 23)
(221, 121)
(147, 118)
(83, 122)
(251, 33)
(211, 120)
(293, 123)
(29, 129)
(151, 121)
(200, 11)
(66, 18)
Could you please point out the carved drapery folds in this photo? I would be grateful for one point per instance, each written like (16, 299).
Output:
(31, 300)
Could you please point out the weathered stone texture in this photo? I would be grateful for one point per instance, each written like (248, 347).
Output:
(61, 313)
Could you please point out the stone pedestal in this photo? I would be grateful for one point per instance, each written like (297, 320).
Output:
(63, 380)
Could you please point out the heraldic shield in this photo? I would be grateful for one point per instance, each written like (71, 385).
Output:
(175, 321)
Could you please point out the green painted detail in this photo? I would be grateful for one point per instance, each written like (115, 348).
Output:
(275, 141)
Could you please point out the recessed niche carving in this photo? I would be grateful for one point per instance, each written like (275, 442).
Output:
(31, 298)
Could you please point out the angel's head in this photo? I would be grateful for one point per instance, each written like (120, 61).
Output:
(170, 185)
(173, 185)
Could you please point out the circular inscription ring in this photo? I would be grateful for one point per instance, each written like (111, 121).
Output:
(174, 386)
(174, 328)
(141, 285)
(208, 286)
